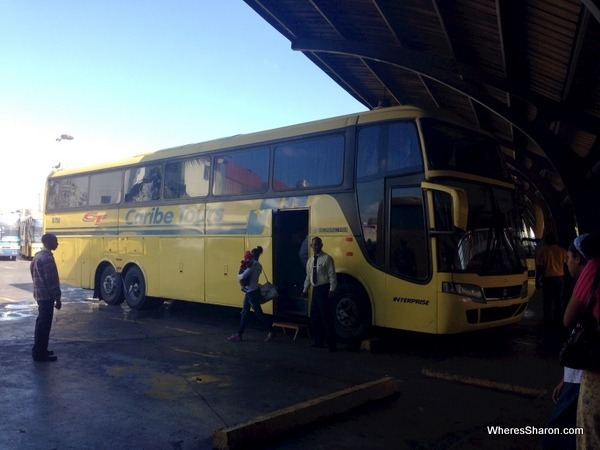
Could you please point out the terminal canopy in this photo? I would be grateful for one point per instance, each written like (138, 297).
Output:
(526, 71)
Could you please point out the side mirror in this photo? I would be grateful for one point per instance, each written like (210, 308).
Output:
(460, 204)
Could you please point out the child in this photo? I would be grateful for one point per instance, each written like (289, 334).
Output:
(244, 264)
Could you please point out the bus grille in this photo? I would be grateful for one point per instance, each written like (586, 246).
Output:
(502, 293)
(485, 315)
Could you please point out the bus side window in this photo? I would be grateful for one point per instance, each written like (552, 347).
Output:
(174, 187)
(174, 190)
(408, 241)
(309, 163)
(69, 192)
(105, 188)
(147, 188)
(241, 172)
(187, 178)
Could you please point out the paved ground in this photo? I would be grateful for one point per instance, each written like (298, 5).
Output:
(167, 379)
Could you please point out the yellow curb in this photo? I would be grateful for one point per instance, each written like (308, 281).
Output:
(485, 383)
(274, 424)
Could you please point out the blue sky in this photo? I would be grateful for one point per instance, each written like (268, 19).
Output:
(124, 77)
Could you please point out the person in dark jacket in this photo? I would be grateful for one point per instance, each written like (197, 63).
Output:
(47, 294)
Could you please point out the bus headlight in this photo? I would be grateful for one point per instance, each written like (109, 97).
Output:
(472, 291)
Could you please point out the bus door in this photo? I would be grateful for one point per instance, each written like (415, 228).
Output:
(410, 289)
(290, 254)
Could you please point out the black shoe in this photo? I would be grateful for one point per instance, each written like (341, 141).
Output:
(333, 348)
(47, 358)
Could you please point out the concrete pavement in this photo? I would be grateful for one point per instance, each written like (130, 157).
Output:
(168, 379)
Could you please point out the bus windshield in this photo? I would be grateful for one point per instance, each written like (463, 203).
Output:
(9, 229)
(490, 245)
(37, 229)
(450, 147)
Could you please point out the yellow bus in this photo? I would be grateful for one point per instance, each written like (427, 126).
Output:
(31, 230)
(419, 214)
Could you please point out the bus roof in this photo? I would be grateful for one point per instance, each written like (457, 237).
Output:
(395, 112)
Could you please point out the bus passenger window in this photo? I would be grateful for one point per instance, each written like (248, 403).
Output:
(241, 172)
(309, 163)
(174, 190)
(105, 188)
(65, 193)
(386, 149)
(144, 184)
(187, 178)
(174, 186)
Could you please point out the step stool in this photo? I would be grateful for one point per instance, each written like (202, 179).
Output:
(292, 326)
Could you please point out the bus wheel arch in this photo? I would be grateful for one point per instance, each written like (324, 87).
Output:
(110, 285)
(352, 311)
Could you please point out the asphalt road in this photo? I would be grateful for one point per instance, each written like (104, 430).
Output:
(168, 379)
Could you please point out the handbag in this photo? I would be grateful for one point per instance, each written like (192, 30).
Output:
(268, 291)
(582, 349)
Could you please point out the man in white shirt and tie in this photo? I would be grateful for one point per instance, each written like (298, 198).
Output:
(320, 274)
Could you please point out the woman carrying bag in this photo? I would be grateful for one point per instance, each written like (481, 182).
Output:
(253, 298)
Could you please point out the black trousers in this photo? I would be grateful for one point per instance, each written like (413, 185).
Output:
(43, 324)
(322, 326)
(552, 292)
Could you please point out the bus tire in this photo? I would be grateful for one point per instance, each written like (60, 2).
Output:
(135, 288)
(351, 311)
(111, 286)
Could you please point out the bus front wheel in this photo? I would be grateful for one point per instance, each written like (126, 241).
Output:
(135, 288)
(111, 286)
(352, 311)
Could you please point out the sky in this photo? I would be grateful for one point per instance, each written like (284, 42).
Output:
(128, 77)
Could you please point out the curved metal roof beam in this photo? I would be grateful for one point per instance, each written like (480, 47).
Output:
(448, 73)
(442, 69)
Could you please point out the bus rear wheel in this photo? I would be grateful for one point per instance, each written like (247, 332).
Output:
(135, 288)
(111, 286)
(352, 311)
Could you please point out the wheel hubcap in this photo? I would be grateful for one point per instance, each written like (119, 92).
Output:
(134, 289)
(347, 312)
(109, 284)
